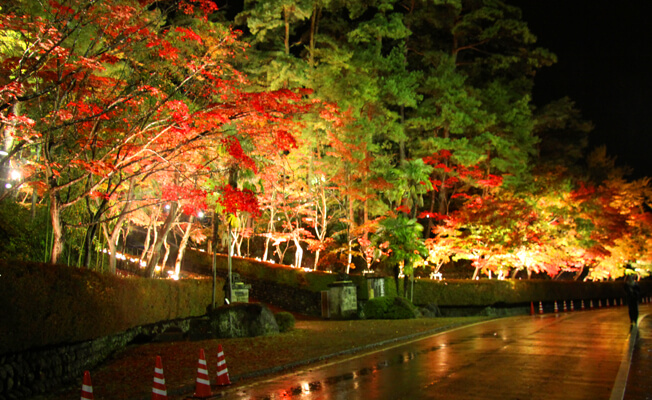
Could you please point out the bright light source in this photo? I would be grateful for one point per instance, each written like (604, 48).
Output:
(167, 206)
(15, 174)
(8, 185)
(200, 214)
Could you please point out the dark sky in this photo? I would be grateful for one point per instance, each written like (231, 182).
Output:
(605, 65)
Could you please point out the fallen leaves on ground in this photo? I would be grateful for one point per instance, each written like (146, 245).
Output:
(128, 375)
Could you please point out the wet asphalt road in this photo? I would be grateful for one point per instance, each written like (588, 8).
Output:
(568, 355)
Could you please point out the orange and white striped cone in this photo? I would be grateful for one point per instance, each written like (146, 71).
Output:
(565, 307)
(599, 303)
(87, 387)
(159, 392)
(608, 305)
(572, 306)
(203, 383)
(222, 370)
(556, 308)
(582, 305)
(621, 301)
(540, 308)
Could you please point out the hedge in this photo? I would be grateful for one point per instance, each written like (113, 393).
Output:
(53, 304)
(450, 292)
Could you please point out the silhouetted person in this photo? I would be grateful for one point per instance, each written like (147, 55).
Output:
(632, 294)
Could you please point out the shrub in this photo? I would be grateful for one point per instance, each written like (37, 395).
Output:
(402, 308)
(285, 321)
(377, 307)
(21, 237)
(389, 308)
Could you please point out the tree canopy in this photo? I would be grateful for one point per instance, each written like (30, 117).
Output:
(323, 131)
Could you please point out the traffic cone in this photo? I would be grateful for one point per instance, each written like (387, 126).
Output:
(608, 305)
(572, 306)
(540, 308)
(159, 392)
(556, 308)
(582, 305)
(591, 304)
(203, 383)
(599, 303)
(531, 308)
(222, 371)
(621, 301)
(87, 387)
(565, 308)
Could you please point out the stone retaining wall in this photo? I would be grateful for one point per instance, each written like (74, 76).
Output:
(25, 374)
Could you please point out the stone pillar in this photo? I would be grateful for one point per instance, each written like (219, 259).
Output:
(241, 292)
(375, 286)
(342, 300)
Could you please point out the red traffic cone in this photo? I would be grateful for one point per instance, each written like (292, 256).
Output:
(564, 304)
(540, 308)
(203, 383)
(556, 308)
(159, 392)
(531, 308)
(591, 303)
(582, 305)
(572, 306)
(87, 387)
(222, 371)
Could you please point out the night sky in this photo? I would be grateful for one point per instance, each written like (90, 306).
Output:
(605, 65)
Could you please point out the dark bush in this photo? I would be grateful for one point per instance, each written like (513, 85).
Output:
(389, 308)
(377, 307)
(21, 236)
(285, 321)
(402, 308)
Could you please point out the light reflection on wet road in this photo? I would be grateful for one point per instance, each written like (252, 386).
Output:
(572, 355)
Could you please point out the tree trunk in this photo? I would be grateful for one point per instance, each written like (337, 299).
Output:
(314, 19)
(433, 197)
(298, 255)
(182, 246)
(162, 237)
(57, 229)
(397, 271)
(166, 255)
(406, 280)
(271, 228)
(286, 39)
(88, 243)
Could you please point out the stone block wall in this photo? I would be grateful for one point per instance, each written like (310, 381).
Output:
(29, 373)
